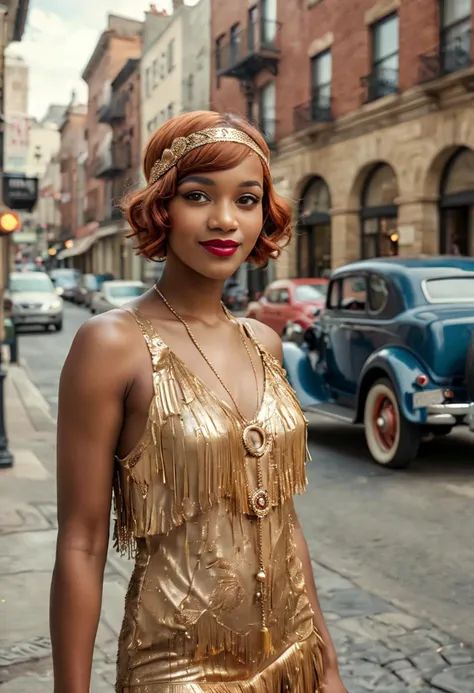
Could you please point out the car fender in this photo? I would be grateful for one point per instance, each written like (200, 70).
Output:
(307, 383)
(401, 367)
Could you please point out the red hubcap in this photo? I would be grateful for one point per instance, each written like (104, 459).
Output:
(385, 422)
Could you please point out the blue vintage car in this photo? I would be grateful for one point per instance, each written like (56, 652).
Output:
(390, 351)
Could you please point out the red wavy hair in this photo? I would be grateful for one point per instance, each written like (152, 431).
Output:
(147, 209)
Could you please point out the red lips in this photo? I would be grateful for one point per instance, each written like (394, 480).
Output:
(221, 247)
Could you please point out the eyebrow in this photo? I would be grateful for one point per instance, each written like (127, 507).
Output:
(202, 180)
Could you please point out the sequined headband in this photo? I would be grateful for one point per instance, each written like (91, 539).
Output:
(183, 145)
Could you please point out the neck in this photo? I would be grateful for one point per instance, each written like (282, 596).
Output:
(190, 293)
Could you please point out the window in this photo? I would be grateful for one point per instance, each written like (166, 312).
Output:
(272, 295)
(147, 81)
(378, 293)
(268, 112)
(334, 294)
(162, 116)
(218, 54)
(252, 28)
(321, 69)
(170, 55)
(449, 290)
(384, 78)
(283, 296)
(234, 43)
(190, 90)
(155, 69)
(353, 294)
(170, 111)
(455, 34)
(162, 65)
(310, 292)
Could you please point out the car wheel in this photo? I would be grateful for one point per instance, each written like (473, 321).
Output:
(58, 326)
(392, 440)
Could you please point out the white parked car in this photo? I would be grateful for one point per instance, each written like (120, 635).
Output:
(114, 294)
(32, 300)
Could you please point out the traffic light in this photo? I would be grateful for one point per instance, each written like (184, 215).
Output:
(9, 222)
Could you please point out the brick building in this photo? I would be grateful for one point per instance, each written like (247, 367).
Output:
(120, 42)
(73, 144)
(367, 108)
(120, 160)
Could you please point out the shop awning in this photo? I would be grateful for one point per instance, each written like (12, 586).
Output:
(80, 246)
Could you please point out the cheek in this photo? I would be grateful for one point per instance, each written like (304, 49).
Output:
(251, 224)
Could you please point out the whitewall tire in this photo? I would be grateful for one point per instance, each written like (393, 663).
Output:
(392, 440)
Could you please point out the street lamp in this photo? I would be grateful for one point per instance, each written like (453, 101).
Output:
(9, 222)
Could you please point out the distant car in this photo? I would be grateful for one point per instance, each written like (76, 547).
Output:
(66, 280)
(234, 295)
(114, 294)
(290, 300)
(87, 286)
(31, 299)
(394, 350)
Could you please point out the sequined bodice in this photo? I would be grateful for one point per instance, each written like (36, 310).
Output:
(182, 508)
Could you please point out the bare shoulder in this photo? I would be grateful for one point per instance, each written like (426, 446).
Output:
(268, 337)
(104, 345)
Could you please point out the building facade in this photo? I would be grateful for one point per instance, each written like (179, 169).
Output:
(175, 66)
(121, 41)
(374, 142)
(120, 168)
(73, 147)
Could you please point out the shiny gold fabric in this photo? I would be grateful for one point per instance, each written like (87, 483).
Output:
(192, 618)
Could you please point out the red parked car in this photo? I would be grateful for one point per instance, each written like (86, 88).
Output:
(289, 299)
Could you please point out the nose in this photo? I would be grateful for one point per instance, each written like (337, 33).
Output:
(222, 217)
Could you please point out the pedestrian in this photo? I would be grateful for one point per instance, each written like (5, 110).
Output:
(185, 412)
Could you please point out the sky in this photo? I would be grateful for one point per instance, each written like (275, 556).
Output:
(59, 39)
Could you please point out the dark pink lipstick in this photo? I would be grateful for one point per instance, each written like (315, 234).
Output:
(220, 247)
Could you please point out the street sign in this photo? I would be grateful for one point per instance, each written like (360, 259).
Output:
(20, 193)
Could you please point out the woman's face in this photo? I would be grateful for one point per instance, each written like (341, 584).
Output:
(216, 218)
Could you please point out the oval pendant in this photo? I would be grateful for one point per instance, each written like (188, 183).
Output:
(260, 502)
(249, 436)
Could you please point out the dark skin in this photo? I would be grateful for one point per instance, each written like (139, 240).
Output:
(106, 388)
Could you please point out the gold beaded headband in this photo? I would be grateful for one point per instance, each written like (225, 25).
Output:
(183, 145)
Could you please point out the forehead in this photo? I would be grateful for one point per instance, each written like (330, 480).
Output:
(251, 168)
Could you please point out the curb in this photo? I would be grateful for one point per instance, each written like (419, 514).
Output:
(35, 405)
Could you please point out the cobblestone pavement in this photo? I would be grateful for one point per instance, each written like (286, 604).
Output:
(381, 648)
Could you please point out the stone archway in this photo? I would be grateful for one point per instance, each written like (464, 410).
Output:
(456, 204)
(379, 212)
(314, 256)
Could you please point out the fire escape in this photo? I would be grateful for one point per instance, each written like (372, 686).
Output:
(245, 55)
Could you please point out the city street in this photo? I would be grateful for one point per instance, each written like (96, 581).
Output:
(402, 537)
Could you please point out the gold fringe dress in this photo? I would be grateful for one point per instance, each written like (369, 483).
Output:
(195, 608)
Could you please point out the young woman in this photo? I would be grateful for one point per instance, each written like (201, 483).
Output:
(186, 414)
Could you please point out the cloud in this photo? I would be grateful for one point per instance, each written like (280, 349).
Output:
(59, 40)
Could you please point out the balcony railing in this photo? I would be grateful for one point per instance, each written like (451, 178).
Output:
(382, 81)
(450, 56)
(112, 161)
(114, 111)
(250, 51)
(317, 110)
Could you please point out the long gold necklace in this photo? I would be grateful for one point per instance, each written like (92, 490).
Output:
(259, 500)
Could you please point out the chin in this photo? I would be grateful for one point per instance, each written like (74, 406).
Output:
(218, 270)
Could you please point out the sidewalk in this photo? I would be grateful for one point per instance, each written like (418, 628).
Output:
(380, 647)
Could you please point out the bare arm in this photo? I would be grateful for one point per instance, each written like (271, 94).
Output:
(91, 396)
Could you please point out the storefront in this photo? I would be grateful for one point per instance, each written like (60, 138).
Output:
(314, 230)
(456, 204)
(379, 213)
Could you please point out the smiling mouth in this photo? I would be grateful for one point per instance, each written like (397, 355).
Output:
(220, 247)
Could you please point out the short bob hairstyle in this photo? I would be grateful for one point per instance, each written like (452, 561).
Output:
(147, 209)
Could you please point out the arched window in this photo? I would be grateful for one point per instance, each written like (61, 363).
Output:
(314, 230)
(379, 213)
(457, 204)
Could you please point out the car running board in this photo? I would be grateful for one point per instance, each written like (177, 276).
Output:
(333, 411)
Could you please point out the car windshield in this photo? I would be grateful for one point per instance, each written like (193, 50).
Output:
(39, 284)
(125, 291)
(450, 290)
(65, 277)
(310, 292)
